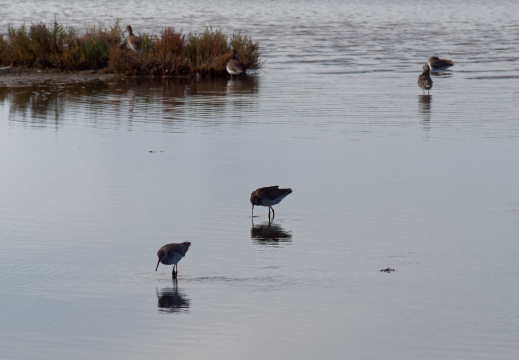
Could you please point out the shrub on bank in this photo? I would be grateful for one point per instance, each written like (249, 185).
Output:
(170, 53)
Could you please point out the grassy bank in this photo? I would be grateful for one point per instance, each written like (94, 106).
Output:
(170, 53)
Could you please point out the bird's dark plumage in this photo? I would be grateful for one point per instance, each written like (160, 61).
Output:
(268, 196)
(435, 63)
(424, 80)
(171, 254)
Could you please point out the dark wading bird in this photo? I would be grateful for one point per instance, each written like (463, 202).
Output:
(233, 66)
(134, 42)
(424, 80)
(268, 196)
(171, 254)
(435, 63)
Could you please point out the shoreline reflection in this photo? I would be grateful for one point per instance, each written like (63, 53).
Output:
(130, 102)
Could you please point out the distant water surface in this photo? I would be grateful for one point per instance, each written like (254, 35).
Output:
(98, 175)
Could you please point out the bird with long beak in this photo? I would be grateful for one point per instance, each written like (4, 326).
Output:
(268, 196)
(171, 254)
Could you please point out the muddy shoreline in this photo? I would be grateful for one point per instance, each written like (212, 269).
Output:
(17, 75)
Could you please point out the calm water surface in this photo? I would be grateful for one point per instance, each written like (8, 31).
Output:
(97, 176)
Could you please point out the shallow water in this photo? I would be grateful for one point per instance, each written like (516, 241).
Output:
(97, 176)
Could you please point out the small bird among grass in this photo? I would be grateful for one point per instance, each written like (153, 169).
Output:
(134, 42)
(233, 66)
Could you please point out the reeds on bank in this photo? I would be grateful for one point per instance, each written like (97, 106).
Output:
(169, 53)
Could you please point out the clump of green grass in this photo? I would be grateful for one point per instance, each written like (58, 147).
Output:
(42, 46)
(248, 50)
(208, 52)
(90, 50)
(162, 55)
(169, 54)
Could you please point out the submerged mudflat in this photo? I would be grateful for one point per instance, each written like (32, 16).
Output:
(18, 75)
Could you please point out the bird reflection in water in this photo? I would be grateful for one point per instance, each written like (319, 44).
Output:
(171, 300)
(242, 87)
(424, 106)
(269, 233)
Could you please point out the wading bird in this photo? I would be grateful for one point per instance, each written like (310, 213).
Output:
(435, 63)
(424, 80)
(268, 196)
(171, 254)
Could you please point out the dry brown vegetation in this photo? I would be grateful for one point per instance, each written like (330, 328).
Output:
(170, 53)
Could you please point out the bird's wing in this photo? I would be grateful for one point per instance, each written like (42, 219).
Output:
(270, 191)
(183, 250)
(274, 192)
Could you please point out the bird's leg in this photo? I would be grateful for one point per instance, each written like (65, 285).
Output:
(273, 213)
(174, 272)
(269, 212)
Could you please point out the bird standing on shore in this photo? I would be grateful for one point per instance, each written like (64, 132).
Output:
(268, 196)
(134, 42)
(171, 254)
(435, 63)
(233, 66)
(424, 80)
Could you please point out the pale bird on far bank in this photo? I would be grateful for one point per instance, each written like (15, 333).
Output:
(134, 42)
(233, 66)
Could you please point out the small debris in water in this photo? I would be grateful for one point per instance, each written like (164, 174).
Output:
(388, 270)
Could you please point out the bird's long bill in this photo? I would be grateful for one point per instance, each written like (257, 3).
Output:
(157, 265)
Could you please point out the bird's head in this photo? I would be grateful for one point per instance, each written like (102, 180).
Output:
(160, 254)
(254, 199)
